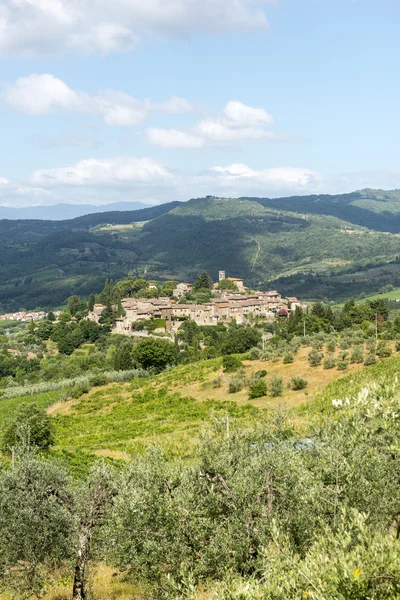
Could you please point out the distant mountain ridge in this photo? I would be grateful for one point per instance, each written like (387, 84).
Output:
(63, 212)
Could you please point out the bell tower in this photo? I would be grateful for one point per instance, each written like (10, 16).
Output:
(221, 275)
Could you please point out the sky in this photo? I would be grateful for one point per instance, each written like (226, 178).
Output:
(162, 100)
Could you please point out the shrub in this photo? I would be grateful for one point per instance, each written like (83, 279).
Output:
(298, 383)
(79, 389)
(288, 358)
(331, 346)
(31, 425)
(398, 346)
(257, 388)
(210, 352)
(217, 382)
(276, 386)
(98, 379)
(154, 353)
(254, 353)
(231, 363)
(383, 350)
(315, 358)
(329, 362)
(344, 344)
(235, 384)
(370, 359)
(318, 344)
(343, 365)
(357, 356)
(260, 374)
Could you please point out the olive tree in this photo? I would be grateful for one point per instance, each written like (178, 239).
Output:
(37, 522)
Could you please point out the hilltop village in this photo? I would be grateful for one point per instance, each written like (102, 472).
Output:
(239, 303)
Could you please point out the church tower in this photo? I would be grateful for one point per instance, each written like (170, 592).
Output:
(221, 275)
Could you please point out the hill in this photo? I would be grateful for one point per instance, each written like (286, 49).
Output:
(375, 209)
(314, 247)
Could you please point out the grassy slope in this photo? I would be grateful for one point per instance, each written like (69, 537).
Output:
(172, 408)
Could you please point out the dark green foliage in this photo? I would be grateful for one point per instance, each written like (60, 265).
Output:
(31, 426)
(261, 373)
(203, 282)
(92, 302)
(78, 390)
(77, 307)
(257, 388)
(298, 383)
(238, 340)
(231, 363)
(189, 332)
(123, 360)
(152, 353)
(69, 336)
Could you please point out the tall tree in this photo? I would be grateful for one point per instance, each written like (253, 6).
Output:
(203, 282)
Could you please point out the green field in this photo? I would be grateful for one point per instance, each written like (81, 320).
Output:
(171, 409)
(393, 295)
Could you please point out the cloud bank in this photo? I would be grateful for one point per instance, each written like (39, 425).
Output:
(43, 27)
(101, 181)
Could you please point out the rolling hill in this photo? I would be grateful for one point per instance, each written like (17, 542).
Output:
(313, 246)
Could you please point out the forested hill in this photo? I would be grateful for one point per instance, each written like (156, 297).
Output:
(375, 209)
(314, 247)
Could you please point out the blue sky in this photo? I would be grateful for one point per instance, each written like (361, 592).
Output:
(173, 99)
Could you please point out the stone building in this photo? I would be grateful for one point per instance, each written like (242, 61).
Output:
(222, 308)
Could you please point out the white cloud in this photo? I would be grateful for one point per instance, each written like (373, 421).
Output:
(100, 172)
(42, 94)
(172, 138)
(11, 193)
(125, 172)
(241, 115)
(281, 177)
(37, 27)
(127, 178)
(237, 123)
